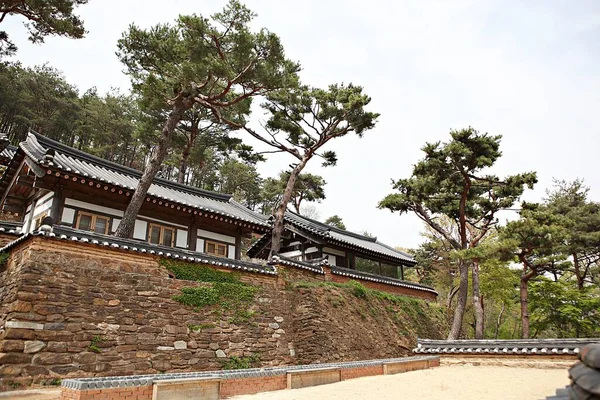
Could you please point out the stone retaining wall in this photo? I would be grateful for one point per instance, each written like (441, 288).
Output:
(78, 309)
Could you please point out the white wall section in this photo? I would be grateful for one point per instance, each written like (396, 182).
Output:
(182, 238)
(216, 236)
(68, 216)
(139, 230)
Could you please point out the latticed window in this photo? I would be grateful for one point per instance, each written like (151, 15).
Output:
(87, 221)
(162, 235)
(215, 248)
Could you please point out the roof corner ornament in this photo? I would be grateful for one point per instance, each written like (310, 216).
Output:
(49, 156)
(47, 226)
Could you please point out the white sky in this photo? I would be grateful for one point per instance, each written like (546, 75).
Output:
(529, 71)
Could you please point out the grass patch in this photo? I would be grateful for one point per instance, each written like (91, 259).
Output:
(94, 344)
(241, 362)
(3, 258)
(224, 290)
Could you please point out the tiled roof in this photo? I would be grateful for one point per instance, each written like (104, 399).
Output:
(278, 259)
(12, 228)
(352, 273)
(340, 237)
(77, 162)
(76, 235)
(525, 346)
(8, 153)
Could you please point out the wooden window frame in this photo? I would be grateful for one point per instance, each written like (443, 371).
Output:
(216, 243)
(162, 233)
(93, 217)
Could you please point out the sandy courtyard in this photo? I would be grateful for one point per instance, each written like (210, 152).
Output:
(443, 383)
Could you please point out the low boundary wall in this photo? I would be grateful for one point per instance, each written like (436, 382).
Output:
(539, 353)
(222, 384)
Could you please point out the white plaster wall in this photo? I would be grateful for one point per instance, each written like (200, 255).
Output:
(68, 216)
(94, 207)
(182, 238)
(115, 224)
(216, 236)
(231, 252)
(331, 259)
(200, 245)
(162, 221)
(26, 219)
(45, 197)
(334, 251)
(311, 250)
(139, 230)
(295, 253)
(42, 207)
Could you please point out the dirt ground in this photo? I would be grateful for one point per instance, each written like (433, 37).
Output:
(462, 382)
(451, 382)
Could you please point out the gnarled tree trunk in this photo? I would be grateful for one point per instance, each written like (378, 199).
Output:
(524, 298)
(477, 302)
(279, 215)
(461, 303)
(127, 224)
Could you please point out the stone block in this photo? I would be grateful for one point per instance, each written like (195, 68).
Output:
(23, 325)
(180, 345)
(14, 358)
(51, 358)
(220, 354)
(312, 377)
(33, 370)
(7, 346)
(33, 346)
(179, 389)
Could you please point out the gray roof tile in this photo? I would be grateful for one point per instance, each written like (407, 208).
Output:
(86, 165)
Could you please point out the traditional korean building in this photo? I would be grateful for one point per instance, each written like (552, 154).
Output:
(86, 197)
(305, 239)
(81, 191)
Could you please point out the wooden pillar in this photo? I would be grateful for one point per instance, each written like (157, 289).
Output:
(351, 261)
(193, 234)
(401, 271)
(238, 244)
(58, 202)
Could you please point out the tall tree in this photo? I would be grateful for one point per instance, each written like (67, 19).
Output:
(336, 220)
(560, 309)
(301, 122)
(46, 17)
(308, 187)
(450, 181)
(536, 240)
(214, 63)
(242, 180)
(581, 219)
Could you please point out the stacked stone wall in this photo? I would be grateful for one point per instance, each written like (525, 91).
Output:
(70, 309)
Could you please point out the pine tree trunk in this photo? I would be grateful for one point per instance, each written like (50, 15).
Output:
(477, 303)
(499, 321)
(185, 155)
(577, 270)
(523, 293)
(461, 304)
(127, 224)
(278, 224)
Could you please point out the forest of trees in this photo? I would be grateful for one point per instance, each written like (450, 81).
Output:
(193, 82)
(536, 276)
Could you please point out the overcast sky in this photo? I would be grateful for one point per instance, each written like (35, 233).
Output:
(529, 71)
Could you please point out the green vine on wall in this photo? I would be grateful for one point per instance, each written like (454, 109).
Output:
(224, 290)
